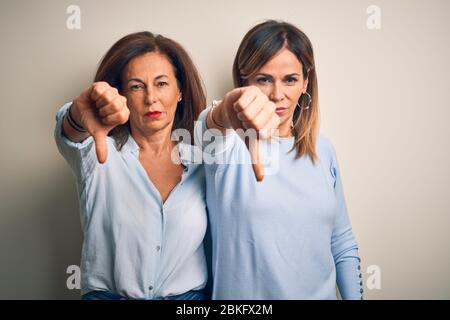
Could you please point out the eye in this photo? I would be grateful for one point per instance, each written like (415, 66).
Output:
(162, 84)
(263, 80)
(136, 87)
(291, 80)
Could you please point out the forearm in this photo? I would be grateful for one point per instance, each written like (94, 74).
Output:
(217, 118)
(69, 130)
(349, 277)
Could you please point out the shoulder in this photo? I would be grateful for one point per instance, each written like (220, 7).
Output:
(327, 157)
(325, 148)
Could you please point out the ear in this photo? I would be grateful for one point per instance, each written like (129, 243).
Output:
(305, 85)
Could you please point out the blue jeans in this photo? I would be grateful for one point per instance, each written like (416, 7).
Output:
(106, 295)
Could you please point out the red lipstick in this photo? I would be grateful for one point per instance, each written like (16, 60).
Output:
(153, 114)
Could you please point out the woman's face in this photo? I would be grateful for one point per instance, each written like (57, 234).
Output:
(152, 92)
(281, 79)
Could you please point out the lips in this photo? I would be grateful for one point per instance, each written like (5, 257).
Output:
(280, 110)
(153, 114)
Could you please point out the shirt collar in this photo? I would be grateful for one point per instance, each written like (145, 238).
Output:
(131, 146)
(186, 151)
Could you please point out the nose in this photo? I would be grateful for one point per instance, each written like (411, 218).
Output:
(150, 96)
(277, 92)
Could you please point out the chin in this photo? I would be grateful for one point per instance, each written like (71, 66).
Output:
(286, 119)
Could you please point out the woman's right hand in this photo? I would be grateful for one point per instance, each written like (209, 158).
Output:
(99, 109)
(249, 108)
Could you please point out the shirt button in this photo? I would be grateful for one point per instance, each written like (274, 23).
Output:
(360, 275)
(158, 248)
(150, 288)
(361, 291)
(359, 267)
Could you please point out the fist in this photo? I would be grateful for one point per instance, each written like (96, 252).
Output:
(99, 109)
(249, 108)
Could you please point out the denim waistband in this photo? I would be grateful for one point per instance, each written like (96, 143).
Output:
(107, 295)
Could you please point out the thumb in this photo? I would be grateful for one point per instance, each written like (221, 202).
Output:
(101, 148)
(257, 164)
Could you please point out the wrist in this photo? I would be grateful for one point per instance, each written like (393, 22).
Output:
(73, 117)
(220, 116)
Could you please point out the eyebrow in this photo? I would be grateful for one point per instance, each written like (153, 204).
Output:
(135, 79)
(142, 81)
(269, 76)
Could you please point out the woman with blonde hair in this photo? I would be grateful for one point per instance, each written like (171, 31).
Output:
(289, 235)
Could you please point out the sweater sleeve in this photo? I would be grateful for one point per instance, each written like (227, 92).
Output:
(217, 148)
(343, 243)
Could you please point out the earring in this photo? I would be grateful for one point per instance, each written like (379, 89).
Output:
(308, 105)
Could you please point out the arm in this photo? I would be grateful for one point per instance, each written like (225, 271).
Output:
(343, 243)
(80, 155)
(94, 113)
(242, 109)
(217, 118)
(70, 130)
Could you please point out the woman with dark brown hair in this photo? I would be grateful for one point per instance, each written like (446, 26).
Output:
(142, 198)
(289, 235)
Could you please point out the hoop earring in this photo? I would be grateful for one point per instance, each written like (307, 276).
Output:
(292, 122)
(300, 107)
(308, 105)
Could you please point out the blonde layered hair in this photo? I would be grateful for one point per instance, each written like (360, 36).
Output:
(261, 44)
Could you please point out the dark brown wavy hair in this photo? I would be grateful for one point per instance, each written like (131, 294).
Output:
(261, 44)
(133, 45)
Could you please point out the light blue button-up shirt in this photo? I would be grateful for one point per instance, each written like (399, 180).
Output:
(287, 237)
(135, 245)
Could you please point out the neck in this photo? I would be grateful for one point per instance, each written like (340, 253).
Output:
(284, 130)
(155, 143)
